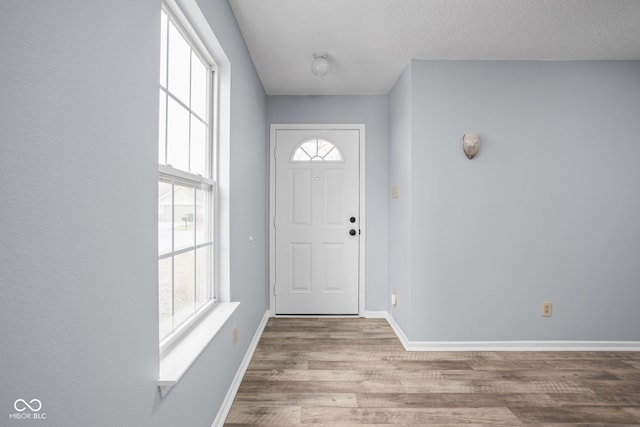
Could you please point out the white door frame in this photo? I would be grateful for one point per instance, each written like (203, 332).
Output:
(272, 206)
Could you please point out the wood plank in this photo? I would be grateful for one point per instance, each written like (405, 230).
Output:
(596, 399)
(410, 416)
(377, 364)
(342, 375)
(451, 400)
(575, 414)
(323, 386)
(242, 413)
(547, 364)
(529, 375)
(345, 400)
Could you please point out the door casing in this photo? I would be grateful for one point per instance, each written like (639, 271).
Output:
(272, 207)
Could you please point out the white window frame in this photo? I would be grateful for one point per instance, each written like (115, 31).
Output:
(181, 348)
(177, 177)
(316, 157)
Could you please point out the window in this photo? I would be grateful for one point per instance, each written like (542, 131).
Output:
(186, 187)
(316, 150)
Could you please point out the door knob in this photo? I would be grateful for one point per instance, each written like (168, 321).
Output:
(352, 232)
(352, 219)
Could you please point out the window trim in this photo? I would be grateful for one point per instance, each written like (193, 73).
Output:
(178, 353)
(168, 170)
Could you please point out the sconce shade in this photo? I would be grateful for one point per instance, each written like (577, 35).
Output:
(470, 144)
(320, 64)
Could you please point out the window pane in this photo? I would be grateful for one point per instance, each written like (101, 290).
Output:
(203, 233)
(301, 156)
(198, 87)
(198, 147)
(184, 217)
(178, 135)
(163, 49)
(333, 156)
(311, 148)
(179, 64)
(203, 274)
(324, 147)
(164, 218)
(165, 296)
(162, 129)
(183, 286)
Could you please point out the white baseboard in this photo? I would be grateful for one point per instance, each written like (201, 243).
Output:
(509, 345)
(375, 315)
(242, 369)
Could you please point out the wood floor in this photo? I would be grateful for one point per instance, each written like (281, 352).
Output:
(355, 372)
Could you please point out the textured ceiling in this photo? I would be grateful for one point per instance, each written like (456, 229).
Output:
(370, 42)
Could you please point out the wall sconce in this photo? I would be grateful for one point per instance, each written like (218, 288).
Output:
(470, 144)
(320, 64)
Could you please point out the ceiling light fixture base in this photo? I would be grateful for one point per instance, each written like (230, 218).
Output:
(320, 64)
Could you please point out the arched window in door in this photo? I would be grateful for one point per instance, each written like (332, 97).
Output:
(316, 150)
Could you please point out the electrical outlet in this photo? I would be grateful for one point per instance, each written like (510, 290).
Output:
(394, 192)
(235, 335)
(546, 309)
(394, 297)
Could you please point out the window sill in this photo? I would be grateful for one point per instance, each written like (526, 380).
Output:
(176, 360)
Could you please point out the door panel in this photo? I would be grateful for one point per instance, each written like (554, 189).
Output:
(301, 196)
(317, 192)
(332, 202)
(300, 267)
(333, 267)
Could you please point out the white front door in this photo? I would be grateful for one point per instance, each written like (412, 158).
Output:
(317, 221)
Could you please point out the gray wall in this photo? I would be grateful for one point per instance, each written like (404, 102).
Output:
(547, 211)
(372, 112)
(78, 263)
